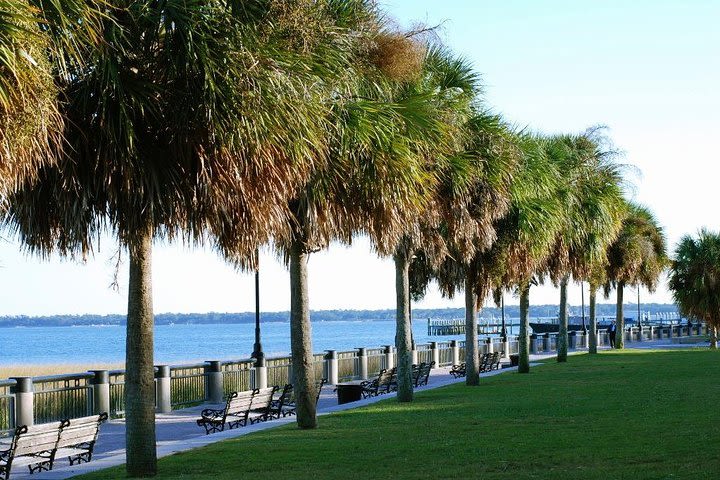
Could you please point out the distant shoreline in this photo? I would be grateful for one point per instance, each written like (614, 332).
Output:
(214, 318)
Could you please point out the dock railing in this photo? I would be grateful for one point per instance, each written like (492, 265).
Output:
(29, 400)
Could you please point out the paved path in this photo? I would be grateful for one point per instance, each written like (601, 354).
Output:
(177, 431)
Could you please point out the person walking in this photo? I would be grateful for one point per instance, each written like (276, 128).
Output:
(612, 329)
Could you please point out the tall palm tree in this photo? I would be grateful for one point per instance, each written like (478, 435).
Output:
(474, 196)
(637, 257)
(594, 208)
(375, 182)
(459, 208)
(695, 279)
(526, 235)
(189, 120)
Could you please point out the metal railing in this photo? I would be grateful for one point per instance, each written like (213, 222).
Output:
(187, 385)
(279, 370)
(445, 354)
(375, 360)
(7, 416)
(424, 353)
(237, 375)
(58, 397)
(117, 392)
(318, 366)
(348, 365)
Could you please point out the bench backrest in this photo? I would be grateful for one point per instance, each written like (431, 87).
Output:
(287, 396)
(388, 376)
(262, 398)
(29, 440)
(81, 430)
(239, 402)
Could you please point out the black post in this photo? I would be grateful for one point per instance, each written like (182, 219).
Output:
(503, 329)
(412, 336)
(639, 319)
(257, 354)
(582, 300)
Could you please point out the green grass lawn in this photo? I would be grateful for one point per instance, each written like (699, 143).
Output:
(636, 415)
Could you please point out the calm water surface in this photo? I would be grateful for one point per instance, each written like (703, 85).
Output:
(189, 343)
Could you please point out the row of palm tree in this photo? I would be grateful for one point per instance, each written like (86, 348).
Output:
(238, 124)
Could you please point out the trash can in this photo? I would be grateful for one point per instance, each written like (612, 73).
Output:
(349, 393)
(514, 359)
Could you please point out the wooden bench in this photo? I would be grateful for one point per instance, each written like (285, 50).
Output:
(458, 371)
(381, 384)
(78, 437)
(490, 361)
(31, 446)
(423, 374)
(235, 413)
(285, 405)
(37, 446)
(240, 408)
(260, 406)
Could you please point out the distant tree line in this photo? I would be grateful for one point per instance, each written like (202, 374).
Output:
(420, 314)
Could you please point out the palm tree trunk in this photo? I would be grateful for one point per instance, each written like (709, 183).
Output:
(593, 320)
(562, 339)
(620, 318)
(403, 330)
(300, 339)
(472, 355)
(713, 338)
(140, 369)
(523, 339)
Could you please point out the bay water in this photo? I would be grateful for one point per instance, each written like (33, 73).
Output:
(181, 343)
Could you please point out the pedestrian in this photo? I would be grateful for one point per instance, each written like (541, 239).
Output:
(611, 333)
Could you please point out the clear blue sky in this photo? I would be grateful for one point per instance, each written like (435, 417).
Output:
(649, 70)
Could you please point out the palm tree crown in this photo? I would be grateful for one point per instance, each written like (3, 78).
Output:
(695, 278)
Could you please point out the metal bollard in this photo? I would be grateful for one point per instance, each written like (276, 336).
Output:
(214, 381)
(24, 401)
(362, 363)
(331, 366)
(163, 401)
(101, 391)
(455, 352)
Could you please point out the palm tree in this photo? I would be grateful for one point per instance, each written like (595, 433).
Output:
(636, 257)
(592, 195)
(462, 174)
(695, 279)
(189, 120)
(526, 235)
(474, 195)
(376, 181)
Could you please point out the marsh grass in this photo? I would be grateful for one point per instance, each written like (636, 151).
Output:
(616, 415)
(38, 370)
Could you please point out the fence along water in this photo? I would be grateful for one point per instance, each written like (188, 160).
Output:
(58, 397)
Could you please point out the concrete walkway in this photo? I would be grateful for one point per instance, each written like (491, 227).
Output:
(177, 431)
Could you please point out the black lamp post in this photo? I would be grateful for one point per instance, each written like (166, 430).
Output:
(257, 354)
(582, 300)
(503, 329)
(639, 318)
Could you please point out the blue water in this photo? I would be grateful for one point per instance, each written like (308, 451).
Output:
(189, 343)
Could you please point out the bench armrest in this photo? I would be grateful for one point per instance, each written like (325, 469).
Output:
(212, 413)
